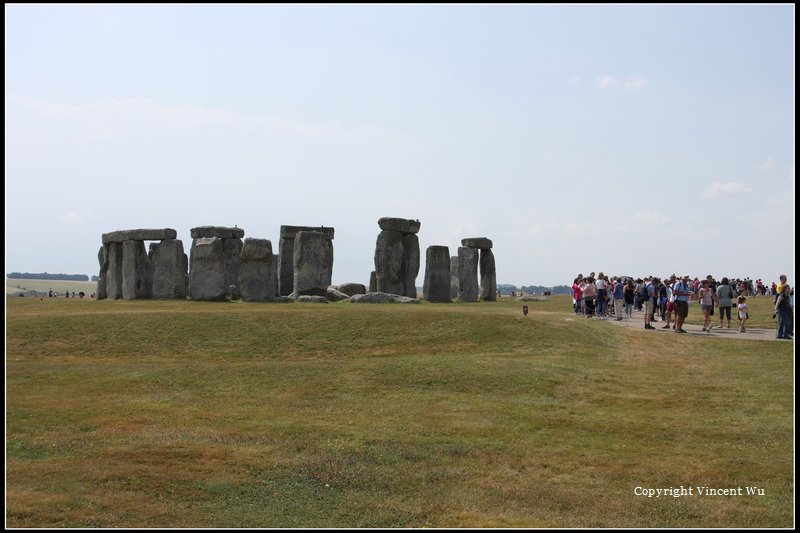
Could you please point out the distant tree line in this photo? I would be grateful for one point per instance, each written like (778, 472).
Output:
(531, 289)
(45, 275)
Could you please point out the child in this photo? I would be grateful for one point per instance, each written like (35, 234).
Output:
(743, 316)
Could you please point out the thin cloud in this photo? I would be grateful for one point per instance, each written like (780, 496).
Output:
(767, 165)
(719, 188)
(635, 83)
(606, 82)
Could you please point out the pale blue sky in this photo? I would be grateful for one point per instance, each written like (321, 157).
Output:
(628, 139)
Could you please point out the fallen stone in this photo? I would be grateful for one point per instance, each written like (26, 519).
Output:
(351, 289)
(307, 298)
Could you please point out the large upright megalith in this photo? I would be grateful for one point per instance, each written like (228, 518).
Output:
(170, 270)
(102, 258)
(207, 276)
(286, 249)
(256, 277)
(313, 264)
(231, 245)
(397, 256)
(467, 274)
(436, 287)
(454, 277)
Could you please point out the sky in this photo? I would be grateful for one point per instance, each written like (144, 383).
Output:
(633, 140)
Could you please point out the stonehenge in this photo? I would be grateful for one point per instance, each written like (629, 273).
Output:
(126, 269)
(437, 274)
(397, 256)
(475, 251)
(221, 266)
(286, 249)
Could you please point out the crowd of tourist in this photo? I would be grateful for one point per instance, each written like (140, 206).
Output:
(668, 299)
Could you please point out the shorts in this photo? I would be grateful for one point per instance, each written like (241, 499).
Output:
(707, 307)
(648, 306)
(682, 308)
(671, 307)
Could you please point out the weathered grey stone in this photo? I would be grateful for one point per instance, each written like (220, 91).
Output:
(454, 277)
(286, 248)
(139, 235)
(488, 292)
(467, 274)
(290, 232)
(256, 277)
(373, 282)
(232, 248)
(220, 232)
(436, 287)
(389, 255)
(410, 265)
(402, 225)
(276, 269)
(477, 242)
(169, 270)
(114, 271)
(313, 263)
(351, 289)
(137, 273)
(308, 298)
(335, 295)
(397, 263)
(284, 299)
(207, 278)
(102, 258)
(233, 292)
(381, 298)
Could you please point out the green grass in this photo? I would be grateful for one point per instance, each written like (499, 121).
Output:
(42, 286)
(192, 414)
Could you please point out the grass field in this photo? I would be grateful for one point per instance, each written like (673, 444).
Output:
(14, 286)
(194, 414)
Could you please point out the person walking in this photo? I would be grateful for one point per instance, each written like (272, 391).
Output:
(683, 290)
(619, 298)
(725, 299)
(783, 308)
(707, 298)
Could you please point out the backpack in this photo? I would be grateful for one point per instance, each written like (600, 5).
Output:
(643, 294)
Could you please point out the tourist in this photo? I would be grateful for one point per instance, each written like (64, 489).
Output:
(783, 308)
(577, 294)
(629, 291)
(683, 289)
(589, 296)
(670, 302)
(743, 315)
(602, 295)
(649, 302)
(707, 298)
(725, 298)
(619, 298)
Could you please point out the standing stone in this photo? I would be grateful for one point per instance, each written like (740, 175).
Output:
(256, 277)
(437, 274)
(454, 277)
(488, 291)
(114, 271)
(170, 279)
(286, 249)
(467, 274)
(276, 269)
(232, 248)
(102, 258)
(313, 264)
(389, 255)
(207, 278)
(373, 282)
(410, 264)
(137, 273)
